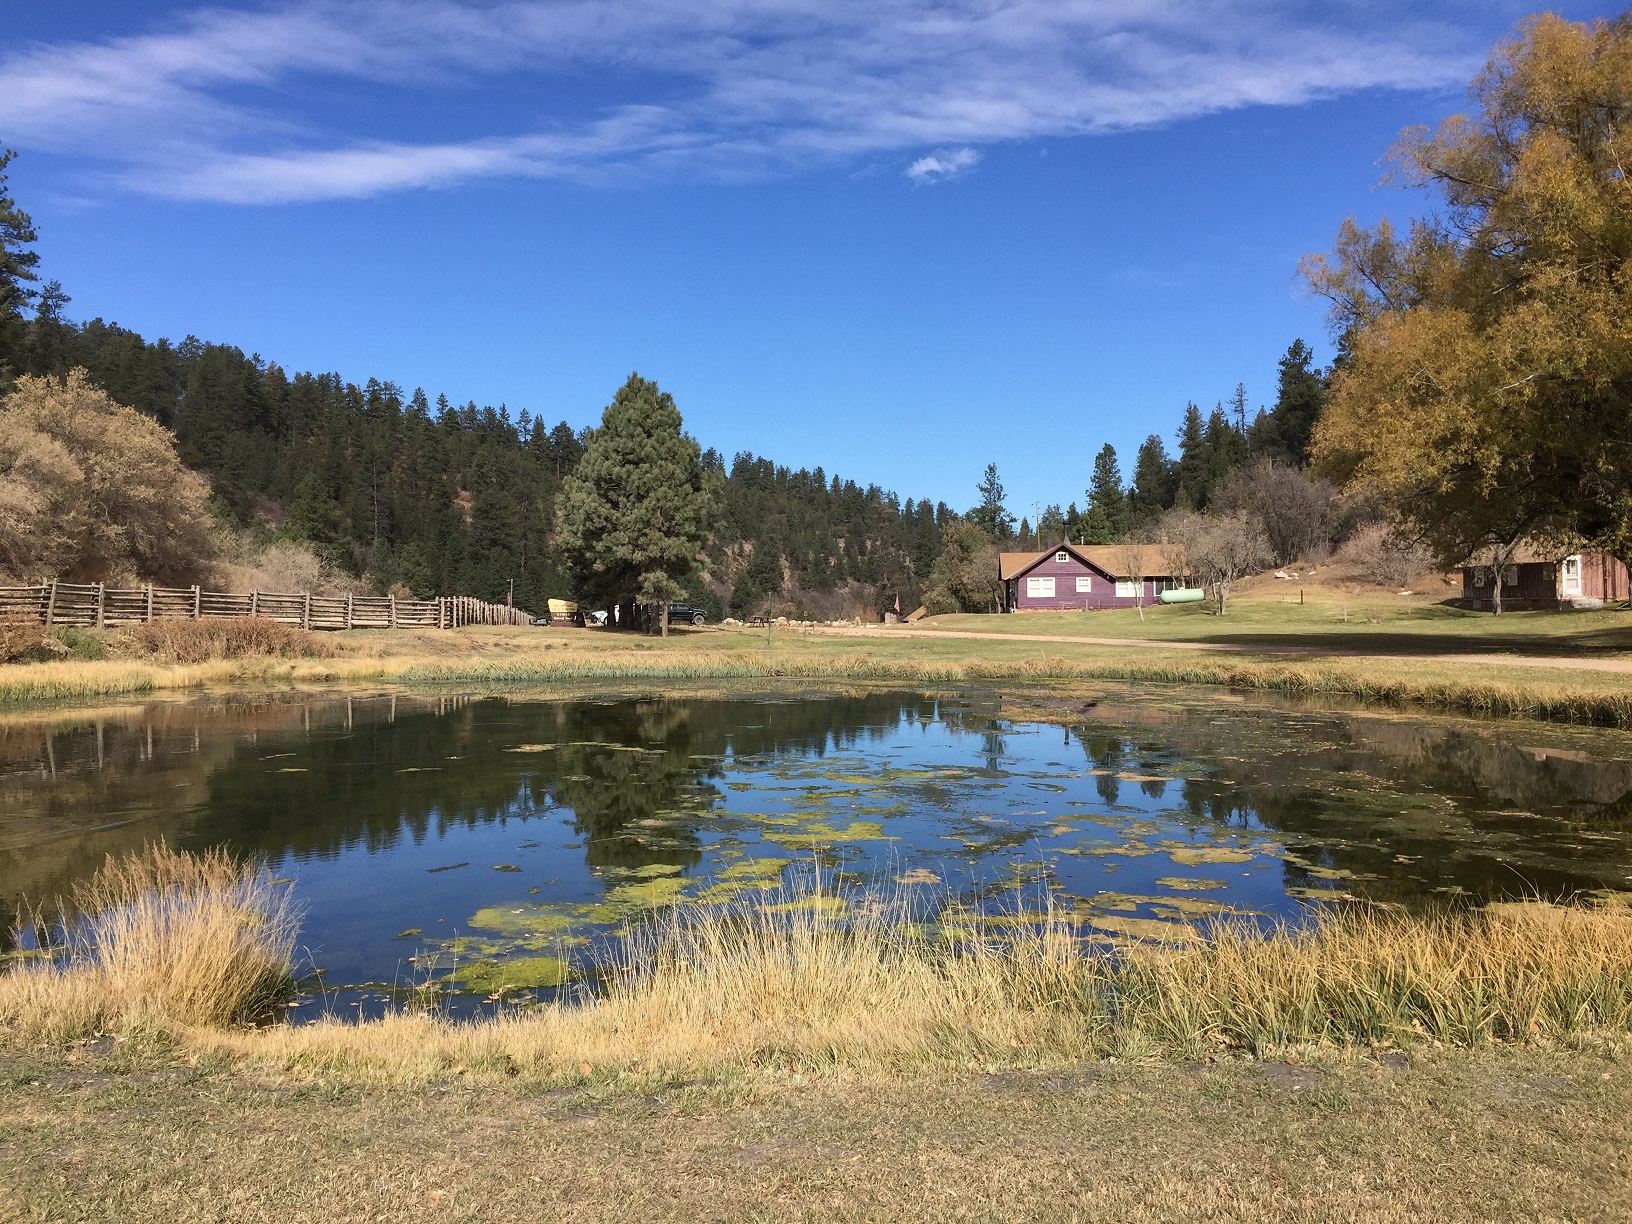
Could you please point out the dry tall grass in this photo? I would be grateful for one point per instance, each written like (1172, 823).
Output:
(203, 942)
(158, 937)
(225, 637)
(817, 986)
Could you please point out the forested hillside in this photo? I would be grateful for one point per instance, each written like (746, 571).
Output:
(403, 491)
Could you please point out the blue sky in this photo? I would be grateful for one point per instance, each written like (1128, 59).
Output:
(898, 239)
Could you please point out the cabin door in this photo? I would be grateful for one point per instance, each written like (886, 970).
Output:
(1572, 576)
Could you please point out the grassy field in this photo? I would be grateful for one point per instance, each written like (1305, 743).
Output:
(1334, 621)
(115, 1132)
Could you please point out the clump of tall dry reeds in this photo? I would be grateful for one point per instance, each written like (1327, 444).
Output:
(158, 936)
(1364, 975)
(815, 979)
(224, 637)
(822, 982)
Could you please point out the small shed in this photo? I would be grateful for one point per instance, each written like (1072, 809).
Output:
(1076, 577)
(1540, 577)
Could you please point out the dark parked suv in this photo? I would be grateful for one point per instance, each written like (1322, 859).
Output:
(680, 614)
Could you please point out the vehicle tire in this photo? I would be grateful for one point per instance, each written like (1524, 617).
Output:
(697, 619)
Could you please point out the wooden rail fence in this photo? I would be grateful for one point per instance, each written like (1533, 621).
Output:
(95, 605)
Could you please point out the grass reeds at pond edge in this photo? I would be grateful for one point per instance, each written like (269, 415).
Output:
(158, 937)
(504, 660)
(200, 946)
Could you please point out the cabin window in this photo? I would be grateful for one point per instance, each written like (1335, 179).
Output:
(1510, 575)
(1062, 555)
(1478, 577)
(1040, 588)
(1126, 590)
(1084, 583)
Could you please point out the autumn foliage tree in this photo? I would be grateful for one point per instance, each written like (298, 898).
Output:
(1486, 379)
(92, 491)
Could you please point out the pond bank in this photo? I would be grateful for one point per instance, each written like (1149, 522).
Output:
(491, 659)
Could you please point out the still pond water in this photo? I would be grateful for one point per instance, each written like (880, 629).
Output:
(489, 834)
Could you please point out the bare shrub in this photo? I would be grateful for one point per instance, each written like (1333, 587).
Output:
(225, 637)
(20, 633)
(1385, 557)
(1219, 548)
(285, 565)
(1298, 514)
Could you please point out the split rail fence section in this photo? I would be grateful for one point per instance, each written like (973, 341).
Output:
(99, 606)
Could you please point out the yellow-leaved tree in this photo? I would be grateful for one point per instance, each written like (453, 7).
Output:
(92, 491)
(1485, 380)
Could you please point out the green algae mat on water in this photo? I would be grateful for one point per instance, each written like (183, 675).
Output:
(486, 846)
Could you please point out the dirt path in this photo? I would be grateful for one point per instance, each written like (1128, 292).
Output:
(1500, 659)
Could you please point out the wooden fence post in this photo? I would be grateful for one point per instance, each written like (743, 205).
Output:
(306, 610)
(348, 611)
(101, 604)
(51, 604)
(147, 610)
(254, 603)
(198, 602)
(393, 600)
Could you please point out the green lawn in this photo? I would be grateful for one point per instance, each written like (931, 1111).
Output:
(1368, 623)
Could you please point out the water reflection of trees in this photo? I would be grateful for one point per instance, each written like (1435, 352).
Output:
(1495, 810)
(636, 776)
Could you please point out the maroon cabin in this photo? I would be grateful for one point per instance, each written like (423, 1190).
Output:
(1548, 578)
(1074, 577)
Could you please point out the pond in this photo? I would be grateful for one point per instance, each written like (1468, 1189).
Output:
(483, 836)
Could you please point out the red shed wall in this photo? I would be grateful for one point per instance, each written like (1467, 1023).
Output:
(1603, 577)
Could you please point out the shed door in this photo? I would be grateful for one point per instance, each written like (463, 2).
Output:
(1572, 576)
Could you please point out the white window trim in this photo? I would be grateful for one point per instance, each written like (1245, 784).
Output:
(1126, 590)
(1040, 588)
(1572, 575)
(1062, 556)
(1085, 583)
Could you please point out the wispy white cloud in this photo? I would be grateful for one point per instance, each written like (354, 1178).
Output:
(218, 106)
(948, 163)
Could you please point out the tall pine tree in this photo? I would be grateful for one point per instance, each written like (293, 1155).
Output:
(641, 504)
(1153, 479)
(1107, 502)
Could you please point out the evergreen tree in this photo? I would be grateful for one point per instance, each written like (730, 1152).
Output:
(1153, 479)
(1285, 432)
(17, 264)
(1051, 525)
(640, 505)
(1226, 450)
(1107, 502)
(991, 515)
(1190, 472)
